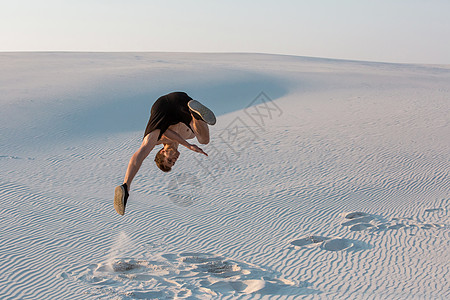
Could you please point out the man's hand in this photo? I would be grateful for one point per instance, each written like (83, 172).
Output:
(197, 149)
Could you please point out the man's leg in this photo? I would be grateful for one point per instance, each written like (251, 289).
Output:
(201, 117)
(201, 130)
(138, 157)
(121, 192)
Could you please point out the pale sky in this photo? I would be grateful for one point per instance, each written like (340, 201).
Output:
(406, 31)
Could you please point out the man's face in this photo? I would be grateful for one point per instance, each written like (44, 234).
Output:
(171, 156)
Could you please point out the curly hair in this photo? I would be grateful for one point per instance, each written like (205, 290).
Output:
(159, 160)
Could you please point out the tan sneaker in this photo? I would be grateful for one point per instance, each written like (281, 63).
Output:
(201, 112)
(120, 198)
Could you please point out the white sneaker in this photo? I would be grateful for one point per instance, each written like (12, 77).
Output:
(201, 112)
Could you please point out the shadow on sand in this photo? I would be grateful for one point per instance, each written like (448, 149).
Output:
(131, 112)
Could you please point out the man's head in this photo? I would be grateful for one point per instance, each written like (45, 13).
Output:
(166, 157)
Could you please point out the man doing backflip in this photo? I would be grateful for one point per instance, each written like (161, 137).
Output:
(174, 118)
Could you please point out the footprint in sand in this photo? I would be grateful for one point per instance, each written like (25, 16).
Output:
(337, 245)
(361, 227)
(434, 210)
(396, 226)
(325, 243)
(182, 275)
(365, 219)
(309, 240)
(355, 215)
(360, 221)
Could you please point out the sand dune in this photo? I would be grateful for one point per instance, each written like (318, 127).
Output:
(325, 179)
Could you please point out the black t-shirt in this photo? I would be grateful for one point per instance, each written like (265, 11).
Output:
(169, 110)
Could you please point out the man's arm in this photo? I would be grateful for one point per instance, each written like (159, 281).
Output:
(172, 135)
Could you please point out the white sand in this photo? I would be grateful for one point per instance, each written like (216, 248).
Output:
(336, 189)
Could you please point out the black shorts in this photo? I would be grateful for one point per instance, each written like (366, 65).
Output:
(169, 110)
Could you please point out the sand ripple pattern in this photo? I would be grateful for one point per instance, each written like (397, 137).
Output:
(346, 195)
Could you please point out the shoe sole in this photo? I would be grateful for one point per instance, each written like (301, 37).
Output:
(119, 194)
(205, 113)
